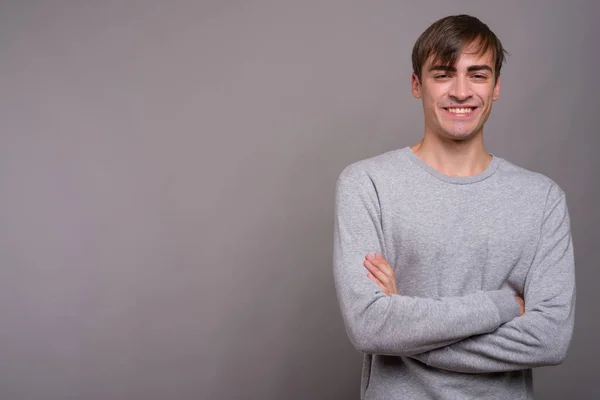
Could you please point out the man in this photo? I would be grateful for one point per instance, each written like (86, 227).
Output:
(453, 267)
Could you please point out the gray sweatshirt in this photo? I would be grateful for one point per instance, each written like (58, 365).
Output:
(461, 248)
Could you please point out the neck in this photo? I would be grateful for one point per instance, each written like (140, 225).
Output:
(453, 157)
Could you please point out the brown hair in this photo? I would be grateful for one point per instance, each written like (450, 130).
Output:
(446, 38)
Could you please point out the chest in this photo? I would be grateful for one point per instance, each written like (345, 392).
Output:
(457, 241)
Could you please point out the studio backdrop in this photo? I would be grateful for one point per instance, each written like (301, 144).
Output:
(167, 176)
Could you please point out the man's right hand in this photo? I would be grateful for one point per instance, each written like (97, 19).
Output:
(522, 304)
(382, 273)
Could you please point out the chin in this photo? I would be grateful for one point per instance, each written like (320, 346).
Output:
(459, 135)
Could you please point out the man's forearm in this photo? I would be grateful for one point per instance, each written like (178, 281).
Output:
(403, 325)
(529, 341)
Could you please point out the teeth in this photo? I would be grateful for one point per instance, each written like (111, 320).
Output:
(460, 110)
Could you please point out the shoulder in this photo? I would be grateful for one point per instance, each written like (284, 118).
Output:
(530, 182)
(367, 170)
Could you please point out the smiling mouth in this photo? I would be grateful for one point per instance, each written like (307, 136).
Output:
(460, 111)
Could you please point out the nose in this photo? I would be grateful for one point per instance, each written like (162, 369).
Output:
(460, 90)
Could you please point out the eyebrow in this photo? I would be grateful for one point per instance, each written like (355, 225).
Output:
(472, 68)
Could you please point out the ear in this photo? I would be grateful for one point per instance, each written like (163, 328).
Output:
(496, 94)
(416, 86)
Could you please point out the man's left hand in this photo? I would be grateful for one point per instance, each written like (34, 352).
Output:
(381, 273)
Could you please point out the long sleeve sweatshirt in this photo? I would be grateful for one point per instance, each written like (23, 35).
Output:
(462, 248)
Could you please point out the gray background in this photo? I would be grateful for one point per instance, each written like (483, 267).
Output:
(167, 173)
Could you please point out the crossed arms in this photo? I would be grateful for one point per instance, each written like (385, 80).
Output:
(476, 333)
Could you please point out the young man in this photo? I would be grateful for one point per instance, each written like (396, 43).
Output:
(453, 267)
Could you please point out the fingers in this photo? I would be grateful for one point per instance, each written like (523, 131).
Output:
(521, 304)
(381, 273)
(378, 282)
(378, 257)
(380, 264)
(376, 272)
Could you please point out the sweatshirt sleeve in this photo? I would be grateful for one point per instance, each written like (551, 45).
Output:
(397, 325)
(541, 336)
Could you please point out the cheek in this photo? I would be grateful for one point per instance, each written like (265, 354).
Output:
(432, 108)
(431, 102)
(488, 95)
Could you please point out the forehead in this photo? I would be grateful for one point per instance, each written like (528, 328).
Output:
(470, 55)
